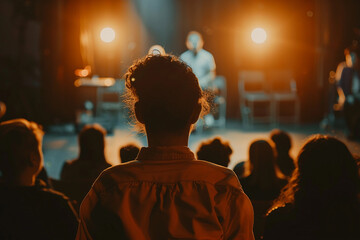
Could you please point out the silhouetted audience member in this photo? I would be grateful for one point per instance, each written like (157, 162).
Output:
(28, 210)
(166, 193)
(320, 201)
(215, 151)
(79, 174)
(282, 142)
(129, 152)
(239, 169)
(264, 182)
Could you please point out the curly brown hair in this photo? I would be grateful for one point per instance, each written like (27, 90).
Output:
(167, 90)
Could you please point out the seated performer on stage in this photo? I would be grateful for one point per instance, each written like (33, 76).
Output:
(203, 65)
(201, 61)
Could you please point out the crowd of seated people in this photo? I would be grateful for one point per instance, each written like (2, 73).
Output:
(167, 193)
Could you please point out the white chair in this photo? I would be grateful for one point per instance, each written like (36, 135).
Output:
(284, 92)
(109, 98)
(255, 100)
(110, 105)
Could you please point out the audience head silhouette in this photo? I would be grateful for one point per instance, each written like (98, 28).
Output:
(261, 160)
(21, 156)
(282, 142)
(326, 170)
(92, 143)
(129, 152)
(215, 151)
(164, 94)
(325, 164)
(321, 199)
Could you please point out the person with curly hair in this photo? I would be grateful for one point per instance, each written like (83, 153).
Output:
(165, 193)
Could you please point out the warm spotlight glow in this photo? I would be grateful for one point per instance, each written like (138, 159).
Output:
(107, 34)
(258, 35)
(83, 72)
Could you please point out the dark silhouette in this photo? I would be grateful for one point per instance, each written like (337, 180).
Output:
(215, 151)
(28, 210)
(320, 201)
(129, 152)
(348, 89)
(78, 175)
(239, 169)
(283, 160)
(166, 193)
(264, 182)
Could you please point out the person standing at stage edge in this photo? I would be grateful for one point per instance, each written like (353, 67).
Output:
(202, 63)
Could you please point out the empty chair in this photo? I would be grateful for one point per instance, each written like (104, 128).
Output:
(286, 101)
(255, 100)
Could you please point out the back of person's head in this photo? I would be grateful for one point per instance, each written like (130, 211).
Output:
(129, 152)
(324, 188)
(262, 163)
(20, 148)
(326, 173)
(92, 143)
(326, 166)
(215, 151)
(164, 93)
(239, 169)
(282, 141)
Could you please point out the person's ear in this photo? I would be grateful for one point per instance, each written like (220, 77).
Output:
(36, 162)
(196, 113)
(139, 112)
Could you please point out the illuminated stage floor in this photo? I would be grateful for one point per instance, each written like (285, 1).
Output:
(61, 147)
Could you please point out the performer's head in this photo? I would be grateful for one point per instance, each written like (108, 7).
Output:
(156, 50)
(164, 94)
(194, 41)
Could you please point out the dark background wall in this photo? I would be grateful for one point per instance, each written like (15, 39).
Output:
(40, 45)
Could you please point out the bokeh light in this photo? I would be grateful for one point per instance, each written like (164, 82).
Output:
(258, 35)
(107, 34)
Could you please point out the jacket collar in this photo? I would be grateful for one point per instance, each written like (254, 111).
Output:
(166, 153)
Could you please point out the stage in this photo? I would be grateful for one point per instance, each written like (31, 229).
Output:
(60, 144)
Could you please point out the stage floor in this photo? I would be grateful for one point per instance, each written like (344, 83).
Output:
(62, 146)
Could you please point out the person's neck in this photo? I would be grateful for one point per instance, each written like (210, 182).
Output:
(167, 138)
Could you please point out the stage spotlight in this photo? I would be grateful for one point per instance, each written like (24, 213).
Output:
(258, 35)
(107, 34)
